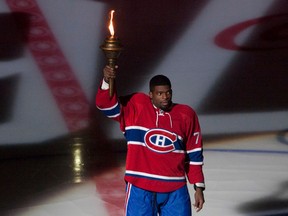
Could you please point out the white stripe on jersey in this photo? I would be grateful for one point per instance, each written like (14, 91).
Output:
(196, 163)
(136, 127)
(135, 143)
(108, 108)
(194, 150)
(155, 176)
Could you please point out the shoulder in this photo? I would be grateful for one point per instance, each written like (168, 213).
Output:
(141, 95)
(184, 110)
(137, 97)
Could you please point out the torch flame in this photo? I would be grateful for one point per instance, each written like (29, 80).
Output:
(111, 28)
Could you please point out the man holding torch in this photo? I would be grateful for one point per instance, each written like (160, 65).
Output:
(164, 147)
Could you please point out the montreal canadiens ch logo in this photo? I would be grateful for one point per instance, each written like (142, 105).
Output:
(159, 140)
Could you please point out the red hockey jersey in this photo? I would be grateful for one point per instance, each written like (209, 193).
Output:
(163, 147)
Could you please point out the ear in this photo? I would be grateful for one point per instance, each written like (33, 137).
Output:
(150, 95)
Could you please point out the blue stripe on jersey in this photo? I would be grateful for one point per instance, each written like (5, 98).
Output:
(112, 112)
(196, 156)
(136, 134)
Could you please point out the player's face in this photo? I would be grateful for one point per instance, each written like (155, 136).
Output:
(161, 97)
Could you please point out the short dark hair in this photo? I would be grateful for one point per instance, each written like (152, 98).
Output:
(159, 80)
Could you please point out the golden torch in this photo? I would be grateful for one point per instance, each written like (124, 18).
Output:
(112, 49)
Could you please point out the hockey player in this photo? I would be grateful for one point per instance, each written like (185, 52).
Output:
(164, 146)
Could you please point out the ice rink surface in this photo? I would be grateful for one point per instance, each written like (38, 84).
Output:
(245, 175)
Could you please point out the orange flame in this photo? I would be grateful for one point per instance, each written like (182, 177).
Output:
(111, 28)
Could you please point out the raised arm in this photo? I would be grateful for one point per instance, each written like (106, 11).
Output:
(108, 105)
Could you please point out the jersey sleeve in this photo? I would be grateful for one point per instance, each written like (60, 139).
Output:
(194, 150)
(120, 109)
(110, 106)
